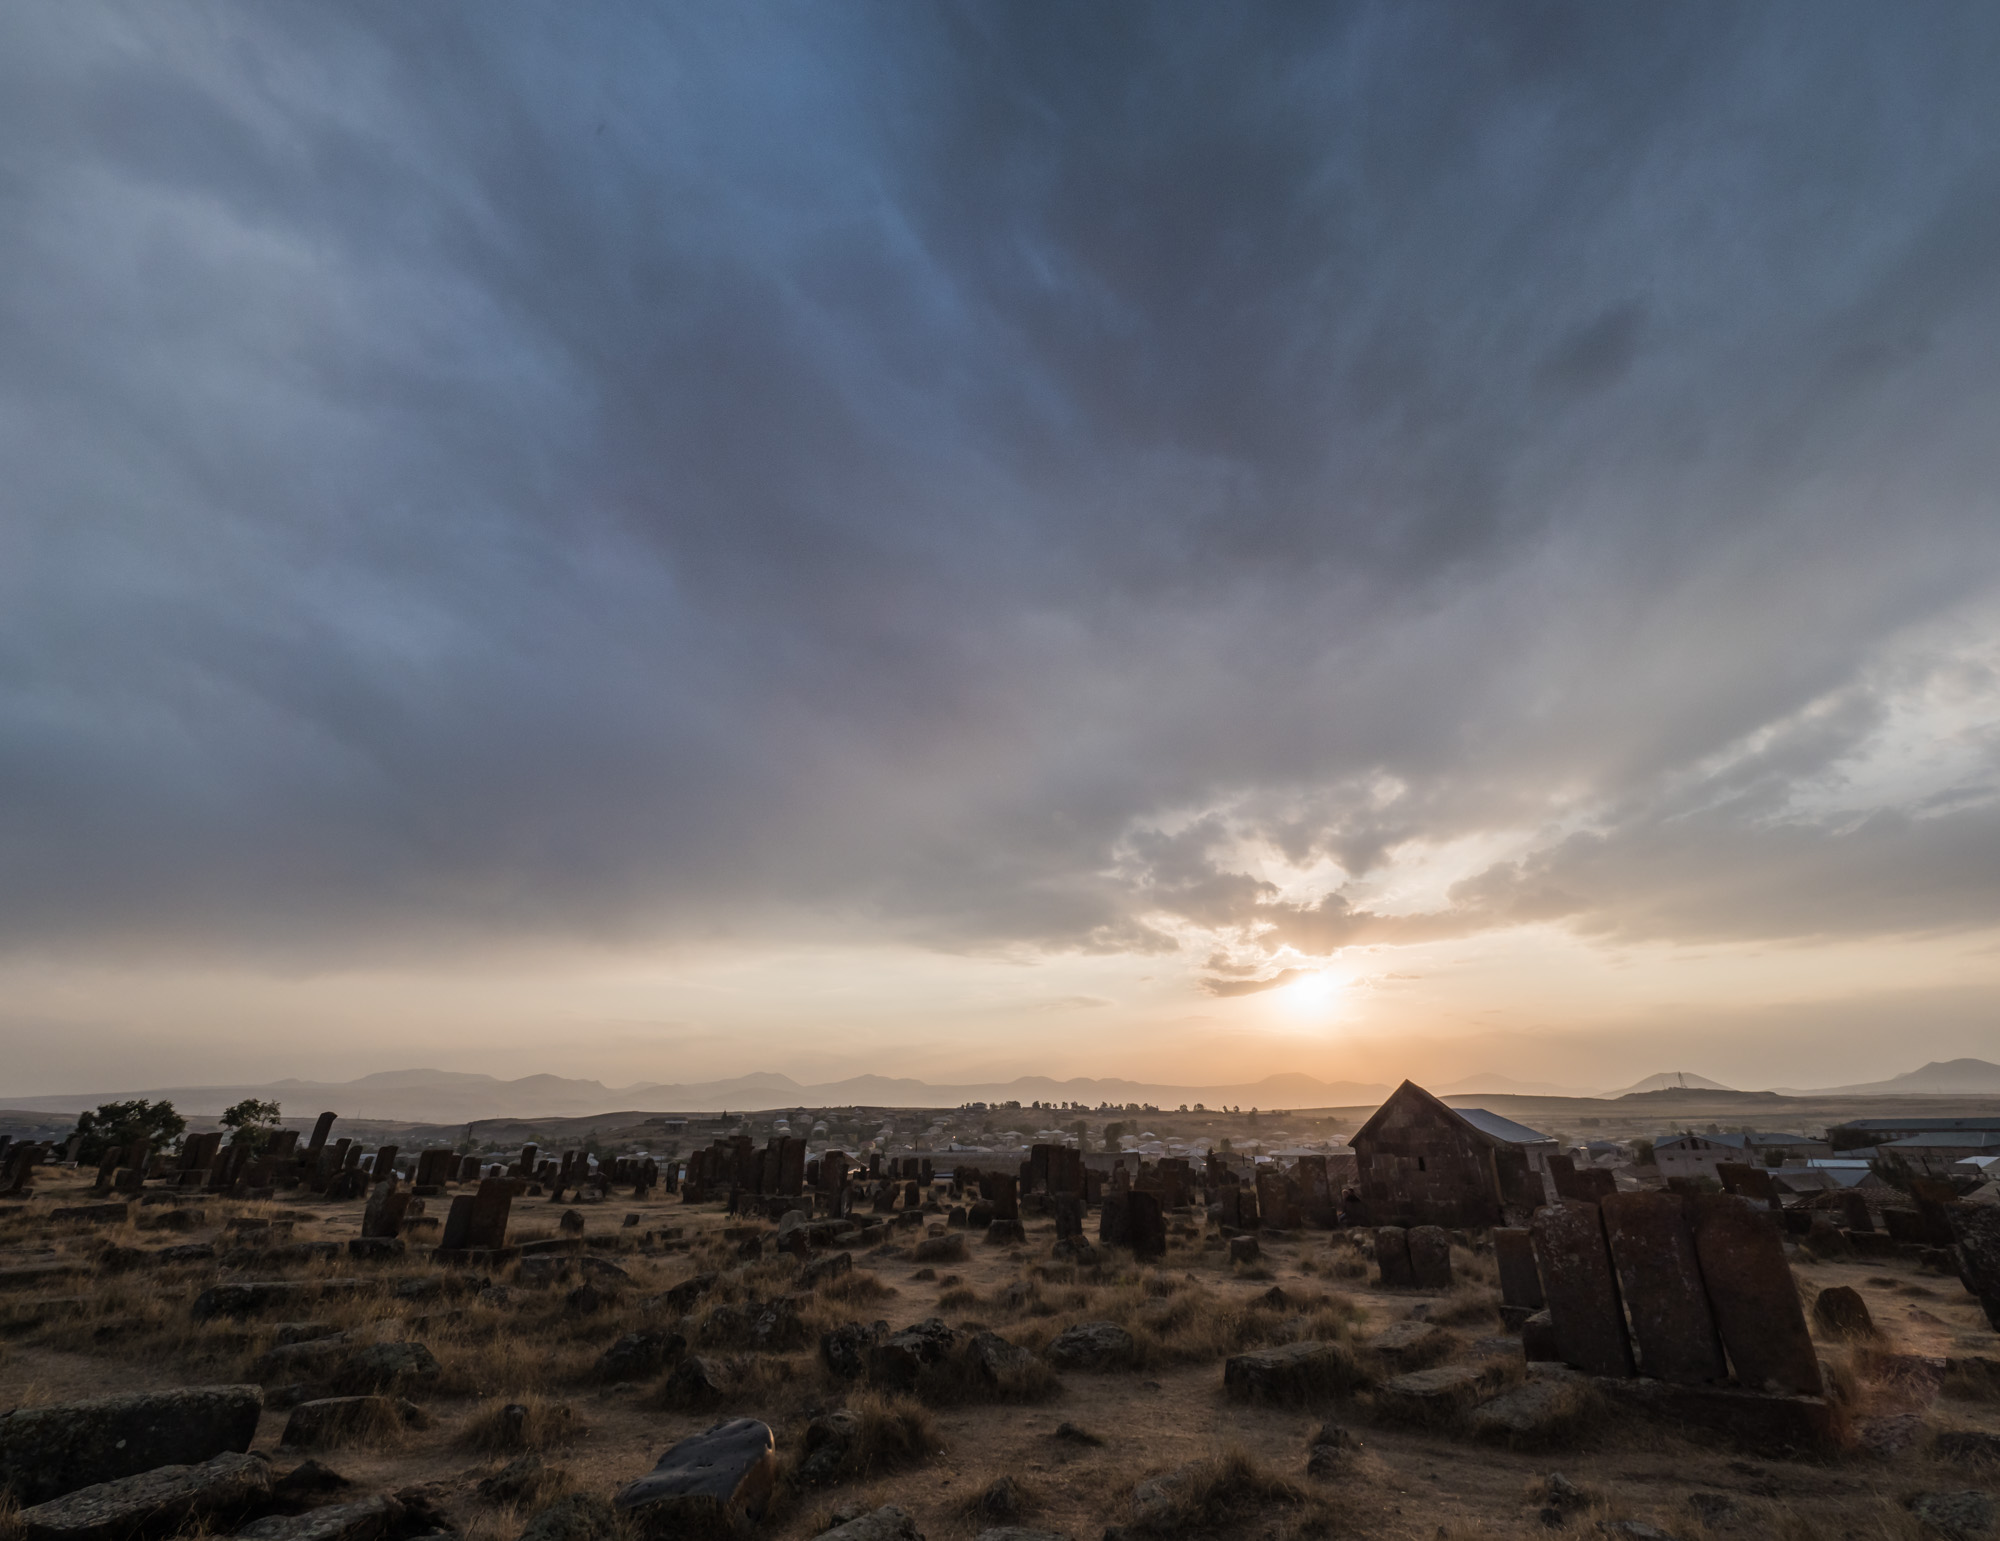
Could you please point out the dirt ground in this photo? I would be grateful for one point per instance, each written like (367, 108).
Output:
(127, 1326)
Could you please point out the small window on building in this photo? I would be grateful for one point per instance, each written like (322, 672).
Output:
(1420, 1163)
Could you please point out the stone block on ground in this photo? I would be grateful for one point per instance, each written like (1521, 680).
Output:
(949, 1248)
(1751, 1420)
(996, 1359)
(1541, 1411)
(573, 1517)
(1091, 1346)
(698, 1380)
(1412, 1345)
(824, 1269)
(1292, 1373)
(636, 1355)
(899, 1359)
(1244, 1249)
(1392, 1258)
(1976, 1231)
(56, 1449)
(152, 1503)
(1961, 1516)
(715, 1483)
(1840, 1312)
(378, 1366)
(327, 1422)
(1520, 1281)
(1436, 1396)
(1538, 1339)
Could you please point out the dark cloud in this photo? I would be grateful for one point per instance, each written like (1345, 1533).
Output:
(983, 475)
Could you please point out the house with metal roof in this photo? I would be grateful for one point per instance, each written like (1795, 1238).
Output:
(1934, 1152)
(1698, 1155)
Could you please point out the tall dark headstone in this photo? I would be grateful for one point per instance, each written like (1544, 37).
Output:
(1146, 1225)
(322, 1131)
(1977, 1227)
(1520, 1283)
(491, 1203)
(1574, 1261)
(1660, 1278)
(1005, 1193)
(1746, 1181)
(1854, 1212)
(458, 1222)
(1430, 1257)
(1751, 1293)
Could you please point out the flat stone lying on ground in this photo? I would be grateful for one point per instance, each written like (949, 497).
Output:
(1413, 1344)
(710, 1483)
(365, 1520)
(48, 1451)
(330, 1421)
(1539, 1411)
(1090, 1346)
(1958, 1516)
(887, 1523)
(573, 1517)
(1292, 1373)
(151, 1503)
(1433, 1396)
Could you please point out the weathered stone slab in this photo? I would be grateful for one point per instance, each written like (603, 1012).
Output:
(151, 1503)
(1840, 1312)
(366, 1520)
(326, 1422)
(1755, 1303)
(1292, 1373)
(1976, 1230)
(48, 1451)
(492, 1201)
(1752, 1420)
(1412, 1345)
(1146, 1226)
(1434, 1396)
(1539, 1412)
(1660, 1279)
(1520, 1283)
(711, 1484)
(1430, 1257)
(1392, 1258)
(1576, 1270)
(252, 1297)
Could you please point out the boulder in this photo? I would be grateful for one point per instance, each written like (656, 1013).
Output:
(846, 1348)
(1292, 1373)
(1969, 1447)
(48, 1451)
(820, 1270)
(330, 1421)
(1434, 1396)
(374, 1366)
(1091, 1346)
(697, 1381)
(1840, 1312)
(682, 1297)
(365, 1520)
(1244, 1249)
(520, 1480)
(252, 1297)
(996, 1359)
(900, 1359)
(152, 1503)
(636, 1355)
(711, 1484)
(887, 1523)
(289, 1333)
(775, 1328)
(1001, 1233)
(574, 1517)
(829, 1441)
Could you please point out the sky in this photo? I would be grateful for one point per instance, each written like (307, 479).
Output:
(659, 542)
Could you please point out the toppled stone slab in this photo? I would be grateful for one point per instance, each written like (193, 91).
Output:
(698, 1380)
(949, 1248)
(1539, 1412)
(1969, 1447)
(887, 1523)
(48, 1451)
(1292, 1373)
(252, 1297)
(93, 1214)
(711, 1484)
(1412, 1345)
(822, 1270)
(1090, 1346)
(366, 1520)
(330, 1421)
(1435, 1396)
(151, 1503)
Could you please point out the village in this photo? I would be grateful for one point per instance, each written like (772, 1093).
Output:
(1002, 1322)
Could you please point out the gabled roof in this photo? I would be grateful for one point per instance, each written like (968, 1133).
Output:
(1921, 1125)
(1492, 1126)
(1940, 1139)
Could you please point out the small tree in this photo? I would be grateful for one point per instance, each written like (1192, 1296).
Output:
(1642, 1152)
(117, 1124)
(251, 1123)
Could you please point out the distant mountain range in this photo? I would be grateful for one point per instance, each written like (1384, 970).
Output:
(450, 1096)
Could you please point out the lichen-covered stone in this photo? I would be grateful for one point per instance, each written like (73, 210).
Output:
(711, 1484)
(48, 1451)
(151, 1503)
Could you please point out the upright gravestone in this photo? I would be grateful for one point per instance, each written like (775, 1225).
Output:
(383, 1214)
(1068, 1209)
(1520, 1284)
(1006, 1195)
(1575, 1265)
(1392, 1258)
(1430, 1257)
(322, 1131)
(1114, 1220)
(1977, 1227)
(385, 1164)
(1146, 1225)
(458, 1223)
(1751, 1293)
(1750, 1182)
(1854, 1212)
(491, 1203)
(1653, 1250)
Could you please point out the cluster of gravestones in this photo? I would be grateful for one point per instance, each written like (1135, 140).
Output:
(1418, 1257)
(1680, 1288)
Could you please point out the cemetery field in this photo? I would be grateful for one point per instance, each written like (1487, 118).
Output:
(1260, 1386)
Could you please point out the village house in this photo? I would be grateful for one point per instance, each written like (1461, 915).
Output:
(1420, 1162)
(1935, 1152)
(1698, 1155)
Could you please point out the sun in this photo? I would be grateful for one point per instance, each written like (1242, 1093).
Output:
(1311, 990)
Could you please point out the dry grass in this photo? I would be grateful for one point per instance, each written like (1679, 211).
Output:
(1467, 1305)
(532, 1423)
(1226, 1492)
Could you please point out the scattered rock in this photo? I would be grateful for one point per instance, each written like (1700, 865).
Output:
(1412, 1345)
(637, 1355)
(1000, 1233)
(1968, 1447)
(574, 1517)
(48, 1451)
(821, 1269)
(887, 1523)
(309, 1479)
(997, 1359)
(1091, 1346)
(1539, 1411)
(777, 1329)
(375, 1366)
(949, 1248)
(290, 1333)
(900, 1359)
(521, 1478)
(697, 1381)
(1712, 1508)
(151, 1503)
(1955, 1515)
(682, 1297)
(829, 1440)
(1003, 1499)
(330, 1421)
(1076, 1434)
(846, 1348)
(709, 1483)
(1074, 1249)
(1244, 1249)
(571, 1223)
